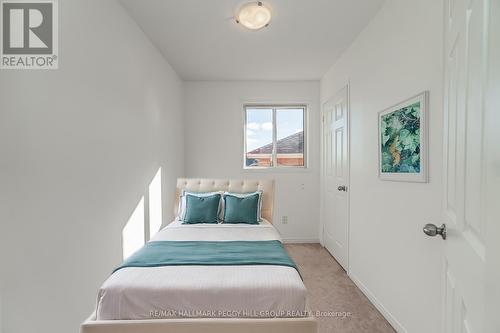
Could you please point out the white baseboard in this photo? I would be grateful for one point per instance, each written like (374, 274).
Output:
(300, 240)
(383, 310)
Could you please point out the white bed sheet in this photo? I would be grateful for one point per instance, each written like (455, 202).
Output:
(204, 291)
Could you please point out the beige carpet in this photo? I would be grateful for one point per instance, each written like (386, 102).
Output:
(331, 292)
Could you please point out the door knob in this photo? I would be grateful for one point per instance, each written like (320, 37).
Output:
(432, 230)
(342, 188)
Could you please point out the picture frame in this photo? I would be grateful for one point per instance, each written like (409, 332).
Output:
(402, 140)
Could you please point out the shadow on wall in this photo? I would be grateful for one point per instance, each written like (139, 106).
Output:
(145, 220)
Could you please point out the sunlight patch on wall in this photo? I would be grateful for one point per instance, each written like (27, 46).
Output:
(133, 232)
(147, 218)
(155, 205)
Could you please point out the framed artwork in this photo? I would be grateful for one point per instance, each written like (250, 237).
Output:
(402, 138)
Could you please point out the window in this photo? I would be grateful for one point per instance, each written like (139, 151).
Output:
(274, 136)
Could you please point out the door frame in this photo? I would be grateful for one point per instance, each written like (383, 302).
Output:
(346, 85)
(492, 117)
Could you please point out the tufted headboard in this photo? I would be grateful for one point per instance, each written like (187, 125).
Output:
(230, 185)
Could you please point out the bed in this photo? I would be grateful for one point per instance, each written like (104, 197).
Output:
(217, 298)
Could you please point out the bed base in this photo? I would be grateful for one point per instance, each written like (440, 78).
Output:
(202, 325)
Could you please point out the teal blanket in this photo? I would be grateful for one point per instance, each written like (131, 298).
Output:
(172, 253)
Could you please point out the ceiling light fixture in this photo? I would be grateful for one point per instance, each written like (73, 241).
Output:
(254, 15)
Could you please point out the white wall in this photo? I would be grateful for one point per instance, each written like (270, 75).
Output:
(1, 313)
(398, 55)
(214, 145)
(78, 147)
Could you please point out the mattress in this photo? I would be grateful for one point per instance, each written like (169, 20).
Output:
(204, 291)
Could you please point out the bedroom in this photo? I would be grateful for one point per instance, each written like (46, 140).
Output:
(139, 94)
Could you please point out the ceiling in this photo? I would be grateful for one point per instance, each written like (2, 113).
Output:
(200, 39)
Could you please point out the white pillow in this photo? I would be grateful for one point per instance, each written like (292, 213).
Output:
(247, 194)
(181, 212)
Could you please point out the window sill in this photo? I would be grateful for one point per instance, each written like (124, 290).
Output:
(277, 170)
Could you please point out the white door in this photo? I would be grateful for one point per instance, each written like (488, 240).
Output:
(466, 48)
(335, 176)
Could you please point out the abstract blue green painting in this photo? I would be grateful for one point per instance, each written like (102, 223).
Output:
(402, 141)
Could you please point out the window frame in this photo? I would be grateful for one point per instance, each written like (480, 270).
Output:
(274, 107)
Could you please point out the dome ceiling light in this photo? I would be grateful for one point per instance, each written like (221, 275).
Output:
(254, 15)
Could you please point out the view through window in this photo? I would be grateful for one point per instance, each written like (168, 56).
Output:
(274, 136)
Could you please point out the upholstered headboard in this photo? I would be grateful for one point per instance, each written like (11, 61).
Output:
(230, 185)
